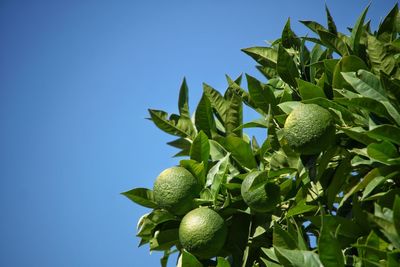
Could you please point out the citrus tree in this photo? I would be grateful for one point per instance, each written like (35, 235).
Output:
(322, 189)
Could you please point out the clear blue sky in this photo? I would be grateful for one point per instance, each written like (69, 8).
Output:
(76, 79)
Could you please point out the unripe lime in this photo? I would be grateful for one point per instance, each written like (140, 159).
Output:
(260, 199)
(203, 232)
(174, 190)
(309, 129)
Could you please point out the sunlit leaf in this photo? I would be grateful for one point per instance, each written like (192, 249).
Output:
(141, 196)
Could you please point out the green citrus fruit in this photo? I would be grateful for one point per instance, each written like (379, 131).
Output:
(260, 199)
(309, 129)
(174, 190)
(203, 232)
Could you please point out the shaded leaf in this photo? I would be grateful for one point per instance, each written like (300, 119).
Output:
(329, 249)
(333, 42)
(217, 175)
(357, 31)
(200, 150)
(221, 262)
(241, 151)
(187, 259)
(217, 101)
(386, 132)
(383, 152)
(331, 24)
(388, 26)
(286, 67)
(379, 57)
(289, 38)
(195, 168)
(234, 114)
(346, 64)
(283, 239)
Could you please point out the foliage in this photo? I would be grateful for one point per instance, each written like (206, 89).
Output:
(340, 207)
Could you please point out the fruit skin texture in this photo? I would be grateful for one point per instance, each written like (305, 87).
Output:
(309, 129)
(203, 232)
(261, 199)
(174, 190)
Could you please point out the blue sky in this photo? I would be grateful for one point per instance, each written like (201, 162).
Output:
(76, 79)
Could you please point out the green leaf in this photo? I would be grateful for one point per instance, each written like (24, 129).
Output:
(217, 101)
(314, 26)
(333, 42)
(396, 214)
(266, 56)
(289, 38)
(286, 67)
(164, 239)
(342, 172)
(234, 114)
(297, 258)
(392, 86)
(245, 96)
(269, 263)
(383, 217)
(288, 106)
(200, 150)
(366, 103)
(308, 90)
(388, 27)
(217, 151)
(342, 227)
(283, 239)
(331, 23)
(300, 208)
(357, 31)
(204, 118)
(382, 152)
(262, 95)
(329, 104)
(330, 66)
(368, 85)
(372, 185)
(241, 151)
(258, 123)
(379, 57)
(346, 64)
(217, 176)
(183, 102)
(141, 196)
(222, 262)
(186, 259)
(376, 172)
(371, 250)
(195, 168)
(171, 125)
(329, 249)
(386, 132)
(315, 56)
(358, 134)
(183, 144)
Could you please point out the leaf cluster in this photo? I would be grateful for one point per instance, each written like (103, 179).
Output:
(337, 208)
